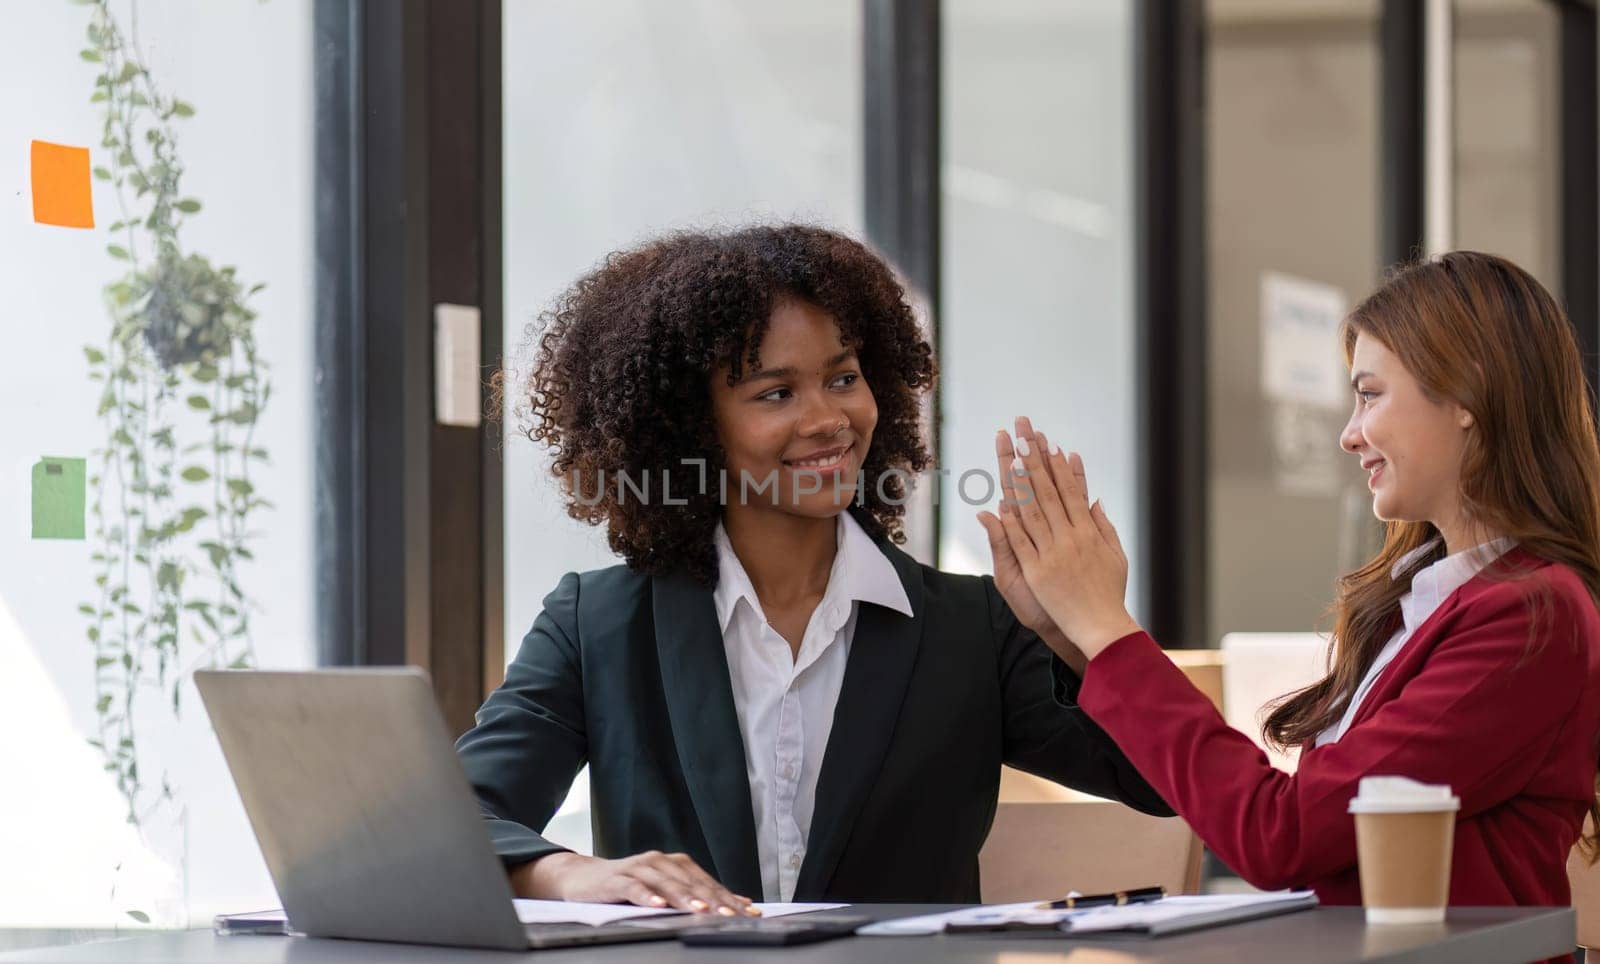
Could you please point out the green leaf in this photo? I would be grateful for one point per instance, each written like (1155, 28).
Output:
(219, 556)
(104, 175)
(86, 609)
(188, 205)
(139, 916)
(118, 251)
(103, 704)
(195, 473)
(92, 56)
(98, 97)
(199, 403)
(240, 487)
(242, 662)
(205, 374)
(182, 109)
(130, 70)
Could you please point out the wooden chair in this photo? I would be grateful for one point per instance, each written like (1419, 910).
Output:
(1257, 668)
(1044, 849)
(1047, 839)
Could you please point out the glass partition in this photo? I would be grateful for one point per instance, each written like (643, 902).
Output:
(1039, 242)
(626, 120)
(1507, 143)
(1293, 232)
(158, 449)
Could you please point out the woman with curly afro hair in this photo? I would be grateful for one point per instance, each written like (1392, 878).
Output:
(774, 701)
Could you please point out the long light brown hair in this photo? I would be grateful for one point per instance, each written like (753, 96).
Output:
(1479, 331)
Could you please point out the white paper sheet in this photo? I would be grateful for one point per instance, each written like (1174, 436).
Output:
(574, 912)
(785, 910)
(1083, 920)
(1177, 909)
(934, 923)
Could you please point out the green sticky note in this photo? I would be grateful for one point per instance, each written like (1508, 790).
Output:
(58, 496)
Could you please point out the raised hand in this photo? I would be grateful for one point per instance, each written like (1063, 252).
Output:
(1068, 551)
(1007, 570)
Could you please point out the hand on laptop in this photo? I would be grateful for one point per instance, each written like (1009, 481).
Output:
(651, 879)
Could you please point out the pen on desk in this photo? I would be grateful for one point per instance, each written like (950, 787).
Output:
(1140, 895)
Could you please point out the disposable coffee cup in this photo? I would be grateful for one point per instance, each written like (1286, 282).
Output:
(1404, 833)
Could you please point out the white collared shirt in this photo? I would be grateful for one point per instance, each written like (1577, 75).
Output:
(785, 701)
(1429, 589)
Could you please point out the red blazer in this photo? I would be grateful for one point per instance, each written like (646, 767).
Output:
(1512, 728)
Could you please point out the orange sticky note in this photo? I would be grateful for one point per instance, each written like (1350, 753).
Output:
(61, 185)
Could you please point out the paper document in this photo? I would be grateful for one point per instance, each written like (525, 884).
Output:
(1175, 914)
(1165, 916)
(934, 923)
(784, 910)
(575, 912)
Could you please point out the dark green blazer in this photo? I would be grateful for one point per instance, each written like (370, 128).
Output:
(627, 673)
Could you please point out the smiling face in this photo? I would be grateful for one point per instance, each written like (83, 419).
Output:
(803, 421)
(1410, 445)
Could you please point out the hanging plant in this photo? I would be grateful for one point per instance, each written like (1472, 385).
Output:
(181, 390)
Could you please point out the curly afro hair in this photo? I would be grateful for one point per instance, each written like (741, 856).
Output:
(620, 378)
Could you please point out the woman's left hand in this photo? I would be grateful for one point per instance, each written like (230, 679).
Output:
(1070, 553)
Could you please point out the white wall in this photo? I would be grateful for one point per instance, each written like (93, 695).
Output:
(246, 67)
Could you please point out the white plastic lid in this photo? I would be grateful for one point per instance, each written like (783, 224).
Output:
(1402, 795)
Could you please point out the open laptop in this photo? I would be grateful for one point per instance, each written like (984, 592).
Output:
(365, 817)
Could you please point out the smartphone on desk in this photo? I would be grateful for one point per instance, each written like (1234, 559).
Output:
(772, 932)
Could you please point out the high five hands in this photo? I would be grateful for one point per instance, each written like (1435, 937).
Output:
(1067, 552)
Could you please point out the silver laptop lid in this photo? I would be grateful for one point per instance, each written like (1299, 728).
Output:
(359, 803)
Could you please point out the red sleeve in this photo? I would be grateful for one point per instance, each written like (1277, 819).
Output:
(1469, 719)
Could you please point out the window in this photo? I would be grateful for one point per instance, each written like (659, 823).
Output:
(623, 121)
(187, 488)
(1038, 271)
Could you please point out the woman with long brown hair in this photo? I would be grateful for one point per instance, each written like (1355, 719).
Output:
(1465, 653)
